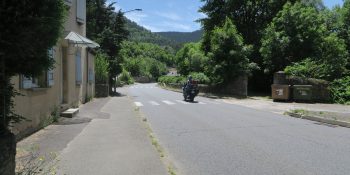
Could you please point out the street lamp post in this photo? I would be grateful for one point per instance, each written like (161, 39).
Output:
(132, 10)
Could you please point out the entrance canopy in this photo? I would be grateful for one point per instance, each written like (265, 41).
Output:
(80, 41)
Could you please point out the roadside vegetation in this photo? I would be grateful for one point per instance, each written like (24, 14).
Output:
(301, 37)
(146, 59)
(21, 26)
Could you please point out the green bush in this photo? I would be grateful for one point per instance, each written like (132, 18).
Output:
(307, 69)
(172, 79)
(101, 68)
(125, 78)
(200, 77)
(341, 90)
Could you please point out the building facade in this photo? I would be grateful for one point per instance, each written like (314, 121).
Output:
(69, 84)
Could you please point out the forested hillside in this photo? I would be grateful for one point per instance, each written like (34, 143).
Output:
(183, 37)
(140, 34)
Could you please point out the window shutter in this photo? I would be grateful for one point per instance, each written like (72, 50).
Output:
(50, 78)
(91, 76)
(26, 82)
(78, 72)
(81, 11)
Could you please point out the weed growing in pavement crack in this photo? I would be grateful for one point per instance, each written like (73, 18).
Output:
(32, 163)
(155, 143)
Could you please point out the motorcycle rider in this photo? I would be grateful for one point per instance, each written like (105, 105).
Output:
(188, 84)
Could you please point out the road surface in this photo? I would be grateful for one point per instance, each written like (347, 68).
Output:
(210, 137)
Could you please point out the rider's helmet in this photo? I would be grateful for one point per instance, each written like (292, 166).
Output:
(190, 78)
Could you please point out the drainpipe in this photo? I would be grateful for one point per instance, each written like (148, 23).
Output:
(87, 74)
(4, 92)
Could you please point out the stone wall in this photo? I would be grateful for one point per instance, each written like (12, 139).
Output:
(239, 87)
(320, 88)
(143, 79)
(101, 90)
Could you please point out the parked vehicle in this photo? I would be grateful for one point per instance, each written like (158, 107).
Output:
(190, 90)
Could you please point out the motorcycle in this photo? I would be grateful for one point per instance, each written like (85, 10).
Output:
(190, 90)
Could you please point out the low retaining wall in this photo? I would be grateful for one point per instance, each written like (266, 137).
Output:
(239, 87)
(101, 90)
(320, 88)
(143, 79)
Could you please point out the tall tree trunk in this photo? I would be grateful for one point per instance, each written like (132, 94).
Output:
(7, 139)
(7, 153)
(110, 83)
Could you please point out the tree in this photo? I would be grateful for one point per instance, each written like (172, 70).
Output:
(300, 32)
(99, 16)
(22, 48)
(251, 18)
(145, 59)
(291, 36)
(109, 29)
(190, 58)
(229, 54)
(345, 27)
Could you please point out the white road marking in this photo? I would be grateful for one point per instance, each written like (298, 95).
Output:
(183, 102)
(227, 101)
(154, 103)
(212, 102)
(168, 102)
(138, 104)
(202, 103)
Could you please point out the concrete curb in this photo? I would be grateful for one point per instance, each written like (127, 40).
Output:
(319, 119)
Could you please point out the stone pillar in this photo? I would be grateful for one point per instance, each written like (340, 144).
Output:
(238, 87)
(279, 78)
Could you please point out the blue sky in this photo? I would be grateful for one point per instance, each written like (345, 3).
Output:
(171, 15)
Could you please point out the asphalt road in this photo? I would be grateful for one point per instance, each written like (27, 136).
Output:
(210, 137)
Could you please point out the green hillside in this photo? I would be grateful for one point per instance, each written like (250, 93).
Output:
(140, 34)
(183, 37)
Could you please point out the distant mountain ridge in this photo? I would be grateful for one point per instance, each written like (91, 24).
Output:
(172, 39)
(183, 37)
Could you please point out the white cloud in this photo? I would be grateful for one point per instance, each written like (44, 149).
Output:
(167, 26)
(177, 26)
(136, 17)
(152, 28)
(170, 15)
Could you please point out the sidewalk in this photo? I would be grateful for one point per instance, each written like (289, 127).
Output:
(106, 138)
(281, 107)
(326, 111)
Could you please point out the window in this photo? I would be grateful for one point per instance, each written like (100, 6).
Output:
(78, 73)
(45, 80)
(68, 2)
(81, 11)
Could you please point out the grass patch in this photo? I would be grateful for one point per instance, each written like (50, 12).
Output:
(155, 142)
(171, 170)
(300, 111)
